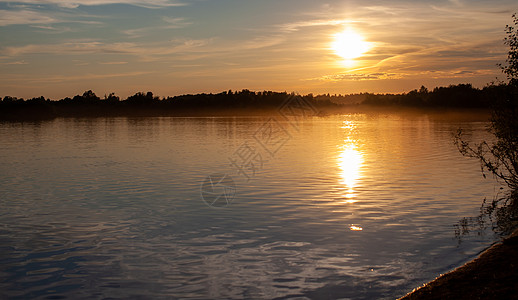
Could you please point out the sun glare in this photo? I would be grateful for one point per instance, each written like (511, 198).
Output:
(350, 161)
(348, 44)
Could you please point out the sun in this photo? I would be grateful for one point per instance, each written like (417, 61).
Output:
(349, 44)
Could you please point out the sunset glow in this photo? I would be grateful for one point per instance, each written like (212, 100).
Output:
(171, 47)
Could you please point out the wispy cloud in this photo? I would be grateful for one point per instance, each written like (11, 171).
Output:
(176, 22)
(170, 23)
(89, 76)
(62, 78)
(261, 42)
(43, 19)
(114, 63)
(89, 47)
(135, 33)
(80, 47)
(357, 77)
(15, 17)
(76, 3)
(295, 26)
(19, 62)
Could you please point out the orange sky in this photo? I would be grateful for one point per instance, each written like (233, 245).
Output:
(60, 48)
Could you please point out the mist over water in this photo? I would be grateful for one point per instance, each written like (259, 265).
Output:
(359, 206)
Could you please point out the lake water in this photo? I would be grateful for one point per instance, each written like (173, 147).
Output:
(358, 206)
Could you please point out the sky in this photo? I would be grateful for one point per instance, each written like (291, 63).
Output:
(59, 48)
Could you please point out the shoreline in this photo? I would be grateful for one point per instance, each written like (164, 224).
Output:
(491, 275)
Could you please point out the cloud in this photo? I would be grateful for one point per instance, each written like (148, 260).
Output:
(295, 26)
(9, 17)
(171, 23)
(135, 33)
(261, 42)
(176, 22)
(114, 63)
(356, 77)
(90, 47)
(41, 20)
(76, 3)
(61, 78)
(57, 30)
(19, 62)
(80, 47)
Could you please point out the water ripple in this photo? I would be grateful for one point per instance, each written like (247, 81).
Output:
(111, 208)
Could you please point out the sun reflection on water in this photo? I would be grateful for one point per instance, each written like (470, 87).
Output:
(349, 160)
(355, 228)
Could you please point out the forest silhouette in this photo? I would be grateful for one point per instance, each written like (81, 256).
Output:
(244, 102)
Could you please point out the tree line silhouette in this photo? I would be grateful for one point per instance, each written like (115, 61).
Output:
(147, 104)
(453, 96)
(229, 102)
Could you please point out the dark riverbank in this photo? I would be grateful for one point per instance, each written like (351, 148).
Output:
(492, 275)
